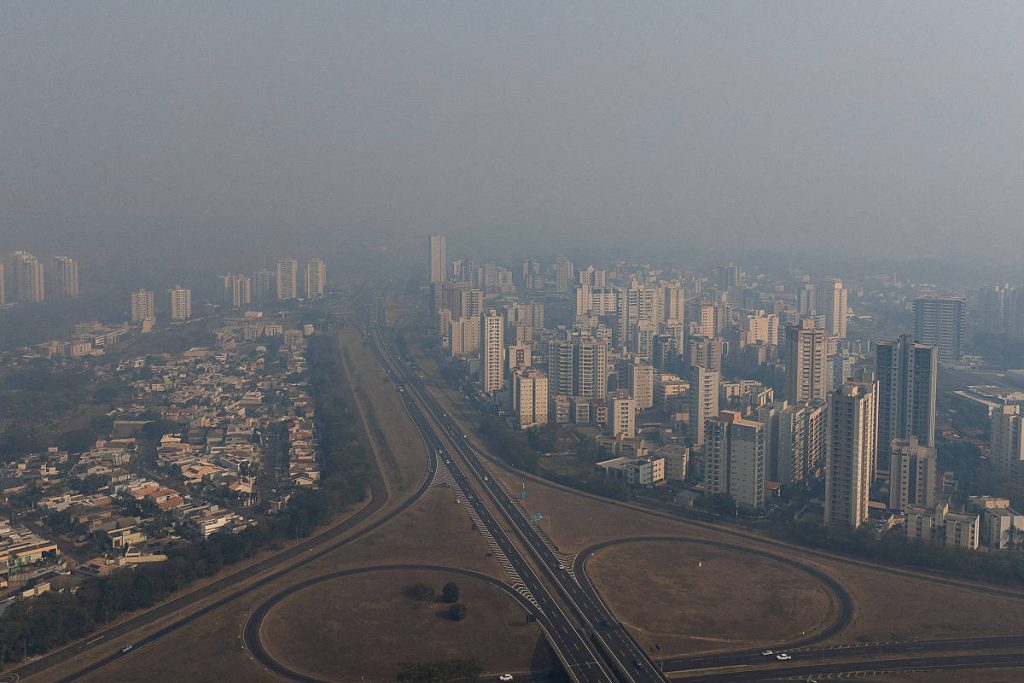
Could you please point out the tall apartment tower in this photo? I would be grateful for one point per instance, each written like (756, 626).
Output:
(530, 398)
(590, 368)
(237, 290)
(438, 259)
(143, 305)
(1007, 445)
(287, 279)
(735, 458)
(64, 277)
(796, 441)
(492, 352)
(261, 284)
(180, 304)
(622, 421)
(563, 274)
(806, 363)
(703, 400)
(907, 380)
(939, 321)
(25, 278)
(314, 278)
(852, 437)
(912, 474)
(832, 303)
(641, 384)
(561, 364)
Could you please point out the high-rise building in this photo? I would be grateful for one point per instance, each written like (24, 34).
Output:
(464, 336)
(314, 278)
(703, 400)
(807, 299)
(911, 474)
(939, 321)
(796, 441)
(590, 368)
(262, 281)
(520, 357)
(25, 278)
(852, 439)
(728, 276)
(735, 458)
(64, 277)
(641, 385)
(143, 306)
(563, 274)
(3, 285)
(622, 422)
(492, 352)
(907, 380)
(806, 363)
(530, 397)
(832, 303)
(1007, 444)
(438, 259)
(578, 366)
(237, 290)
(180, 305)
(287, 279)
(705, 351)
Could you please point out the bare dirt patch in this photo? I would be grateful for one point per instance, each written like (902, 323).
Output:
(364, 627)
(691, 597)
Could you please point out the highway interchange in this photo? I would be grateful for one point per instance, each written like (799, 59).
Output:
(591, 644)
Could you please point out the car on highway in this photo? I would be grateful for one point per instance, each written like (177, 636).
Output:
(767, 653)
(783, 657)
(505, 677)
(127, 648)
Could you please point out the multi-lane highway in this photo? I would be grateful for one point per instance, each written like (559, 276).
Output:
(602, 649)
(574, 648)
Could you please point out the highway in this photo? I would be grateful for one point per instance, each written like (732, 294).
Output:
(577, 653)
(626, 659)
(794, 671)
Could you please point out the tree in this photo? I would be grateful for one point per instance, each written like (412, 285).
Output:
(719, 503)
(450, 592)
(423, 592)
(457, 612)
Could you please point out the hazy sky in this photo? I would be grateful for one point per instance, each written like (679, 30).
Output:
(852, 127)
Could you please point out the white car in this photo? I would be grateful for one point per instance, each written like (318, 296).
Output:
(505, 677)
(783, 657)
(767, 653)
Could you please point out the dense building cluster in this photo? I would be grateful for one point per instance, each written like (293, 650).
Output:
(740, 384)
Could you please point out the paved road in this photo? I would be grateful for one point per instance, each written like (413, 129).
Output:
(625, 659)
(579, 655)
(794, 671)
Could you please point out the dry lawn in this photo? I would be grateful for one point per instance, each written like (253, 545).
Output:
(399, 446)
(688, 597)
(364, 627)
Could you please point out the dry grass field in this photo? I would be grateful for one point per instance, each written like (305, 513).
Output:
(688, 597)
(364, 627)
(400, 449)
